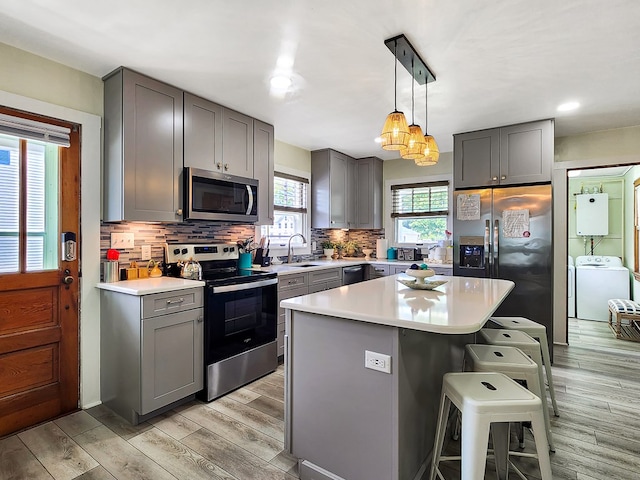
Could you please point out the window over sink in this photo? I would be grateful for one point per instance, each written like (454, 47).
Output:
(290, 214)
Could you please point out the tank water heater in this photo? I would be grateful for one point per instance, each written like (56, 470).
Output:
(592, 214)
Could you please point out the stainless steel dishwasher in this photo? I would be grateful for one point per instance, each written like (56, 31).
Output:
(353, 274)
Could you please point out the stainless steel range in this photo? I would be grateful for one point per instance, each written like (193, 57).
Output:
(240, 316)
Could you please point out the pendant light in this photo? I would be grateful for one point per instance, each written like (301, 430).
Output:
(416, 145)
(431, 151)
(395, 132)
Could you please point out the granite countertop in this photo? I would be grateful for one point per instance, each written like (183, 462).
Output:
(145, 286)
(462, 305)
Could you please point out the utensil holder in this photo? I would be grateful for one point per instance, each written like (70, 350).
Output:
(110, 271)
(245, 260)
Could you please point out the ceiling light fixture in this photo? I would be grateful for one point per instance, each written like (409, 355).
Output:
(416, 145)
(431, 150)
(411, 143)
(395, 132)
(567, 107)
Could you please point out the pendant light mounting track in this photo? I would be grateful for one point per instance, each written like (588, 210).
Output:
(409, 58)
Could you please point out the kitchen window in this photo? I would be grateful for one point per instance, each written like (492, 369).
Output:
(290, 214)
(420, 212)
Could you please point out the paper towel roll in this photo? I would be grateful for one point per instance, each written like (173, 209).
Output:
(381, 248)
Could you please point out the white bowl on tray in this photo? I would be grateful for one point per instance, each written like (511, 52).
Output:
(420, 275)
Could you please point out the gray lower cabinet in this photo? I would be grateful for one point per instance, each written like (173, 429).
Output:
(143, 148)
(151, 351)
(510, 155)
(377, 270)
(237, 144)
(202, 133)
(395, 269)
(321, 280)
(263, 164)
(441, 270)
(289, 286)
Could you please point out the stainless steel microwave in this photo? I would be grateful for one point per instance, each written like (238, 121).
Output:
(220, 197)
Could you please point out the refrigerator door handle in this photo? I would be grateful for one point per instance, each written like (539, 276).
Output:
(487, 256)
(496, 241)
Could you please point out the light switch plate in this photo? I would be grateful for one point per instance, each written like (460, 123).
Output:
(146, 252)
(121, 240)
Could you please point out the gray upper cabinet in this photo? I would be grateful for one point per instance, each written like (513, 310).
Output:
(331, 189)
(511, 155)
(263, 160)
(143, 148)
(368, 193)
(202, 133)
(237, 144)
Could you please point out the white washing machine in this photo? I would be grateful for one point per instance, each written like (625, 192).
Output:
(571, 288)
(598, 279)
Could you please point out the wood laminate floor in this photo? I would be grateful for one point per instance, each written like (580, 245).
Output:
(240, 436)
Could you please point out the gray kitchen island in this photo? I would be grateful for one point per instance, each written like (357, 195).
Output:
(364, 366)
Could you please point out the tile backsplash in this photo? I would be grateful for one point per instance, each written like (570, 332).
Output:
(157, 234)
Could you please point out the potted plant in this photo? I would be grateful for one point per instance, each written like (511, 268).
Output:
(351, 248)
(328, 248)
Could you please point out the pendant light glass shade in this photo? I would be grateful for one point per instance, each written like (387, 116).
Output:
(431, 153)
(416, 146)
(395, 132)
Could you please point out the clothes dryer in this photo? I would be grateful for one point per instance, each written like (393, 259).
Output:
(598, 279)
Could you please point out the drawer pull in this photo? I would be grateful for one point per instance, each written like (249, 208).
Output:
(171, 302)
(292, 282)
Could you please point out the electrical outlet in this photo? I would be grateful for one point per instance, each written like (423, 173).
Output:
(146, 252)
(377, 361)
(123, 241)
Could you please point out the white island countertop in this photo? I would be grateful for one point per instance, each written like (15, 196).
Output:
(462, 305)
(145, 286)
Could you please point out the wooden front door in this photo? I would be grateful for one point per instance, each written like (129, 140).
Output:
(39, 365)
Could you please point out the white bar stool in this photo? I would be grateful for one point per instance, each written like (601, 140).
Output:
(530, 347)
(511, 361)
(538, 332)
(485, 398)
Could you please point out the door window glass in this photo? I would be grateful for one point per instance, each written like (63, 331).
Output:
(29, 181)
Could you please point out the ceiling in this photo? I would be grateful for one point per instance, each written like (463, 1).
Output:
(496, 62)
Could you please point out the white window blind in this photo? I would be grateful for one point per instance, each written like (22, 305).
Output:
(420, 199)
(32, 130)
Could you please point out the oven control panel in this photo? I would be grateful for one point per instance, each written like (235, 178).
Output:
(201, 252)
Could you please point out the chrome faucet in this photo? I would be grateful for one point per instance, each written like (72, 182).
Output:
(289, 245)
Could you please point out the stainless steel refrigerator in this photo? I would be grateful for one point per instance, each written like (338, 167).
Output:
(506, 233)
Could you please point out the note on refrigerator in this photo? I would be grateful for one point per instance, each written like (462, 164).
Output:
(468, 206)
(515, 223)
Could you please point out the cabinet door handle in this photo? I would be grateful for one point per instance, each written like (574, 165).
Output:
(200, 319)
(219, 165)
(179, 212)
(226, 167)
(171, 302)
(503, 177)
(494, 179)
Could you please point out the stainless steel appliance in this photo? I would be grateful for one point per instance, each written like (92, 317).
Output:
(240, 316)
(218, 196)
(506, 233)
(353, 274)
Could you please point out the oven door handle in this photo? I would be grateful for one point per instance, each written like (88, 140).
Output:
(244, 286)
